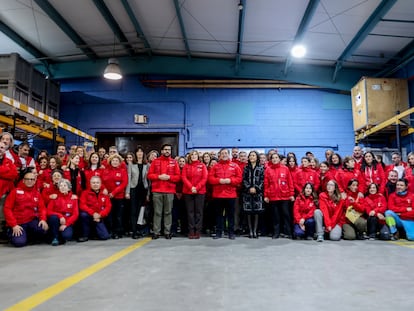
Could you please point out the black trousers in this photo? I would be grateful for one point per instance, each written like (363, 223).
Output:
(194, 204)
(282, 221)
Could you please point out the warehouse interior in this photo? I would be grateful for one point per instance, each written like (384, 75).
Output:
(205, 75)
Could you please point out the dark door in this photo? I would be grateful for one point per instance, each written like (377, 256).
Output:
(129, 141)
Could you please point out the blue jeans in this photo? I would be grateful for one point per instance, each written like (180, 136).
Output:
(309, 229)
(397, 219)
(87, 223)
(54, 224)
(31, 230)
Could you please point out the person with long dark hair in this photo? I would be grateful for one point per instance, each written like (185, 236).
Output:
(252, 192)
(194, 176)
(303, 210)
(372, 172)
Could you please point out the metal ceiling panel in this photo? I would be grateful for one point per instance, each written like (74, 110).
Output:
(160, 24)
(211, 26)
(271, 26)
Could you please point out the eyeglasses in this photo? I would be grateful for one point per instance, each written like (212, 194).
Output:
(30, 179)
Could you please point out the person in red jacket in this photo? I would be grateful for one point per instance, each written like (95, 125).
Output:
(305, 174)
(25, 212)
(164, 174)
(303, 210)
(225, 178)
(375, 207)
(94, 207)
(278, 191)
(115, 179)
(62, 213)
(325, 175)
(409, 172)
(358, 228)
(331, 213)
(348, 172)
(372, 172)
(8, 173)
(400, 213)
(194, 176)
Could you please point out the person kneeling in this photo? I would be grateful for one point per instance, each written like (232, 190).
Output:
(25, 211)
(94, 206)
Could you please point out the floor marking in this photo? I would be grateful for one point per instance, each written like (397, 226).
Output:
(406, 243)
(48, 293)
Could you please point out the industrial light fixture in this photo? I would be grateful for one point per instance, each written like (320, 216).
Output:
(112, 70)
(298, 51)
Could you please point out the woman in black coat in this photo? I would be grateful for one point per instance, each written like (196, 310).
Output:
(252, 192)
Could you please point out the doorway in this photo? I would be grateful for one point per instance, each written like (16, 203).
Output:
(129, 141)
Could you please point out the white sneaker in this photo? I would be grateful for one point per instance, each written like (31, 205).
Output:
(319, 238)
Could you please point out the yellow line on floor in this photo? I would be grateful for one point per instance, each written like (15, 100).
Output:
(408, 244)
(48, 293)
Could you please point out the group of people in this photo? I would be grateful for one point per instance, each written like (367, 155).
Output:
(102, 195)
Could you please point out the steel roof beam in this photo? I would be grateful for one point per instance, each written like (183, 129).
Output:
(22, 42)
(217, 68)
(369, 25)
(106, 14)
(404, 57)
(303, 26)
(65, 27)
(182, 27)
(242, 14)
(137, 26)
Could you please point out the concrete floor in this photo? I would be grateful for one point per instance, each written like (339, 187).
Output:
(207, 274)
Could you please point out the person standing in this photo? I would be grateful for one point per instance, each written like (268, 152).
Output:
(252, 192)
(225, 177)
(278, 191)
(164, 173)
(194, 176)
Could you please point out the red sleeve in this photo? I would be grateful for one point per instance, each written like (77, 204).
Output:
(8, 170)
(83, 203)
(122, 186)
(51, 209)
(8, 209)
(323, 205)
(237, 179)
(42, 209)
(393, 204)
(186, 182)
(212, 179)
(71, 220)
(296, 208)
(107, 209)
(176, 177)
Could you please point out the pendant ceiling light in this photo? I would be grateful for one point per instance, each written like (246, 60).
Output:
(112, 71)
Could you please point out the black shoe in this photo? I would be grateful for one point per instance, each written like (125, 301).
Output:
(275, 236)
(251, 235)
(217, 236)
(282, 235)
(115, 236)
(135, 236)
(232, 236)
(155, 236)
(83, 239)
(168, 236)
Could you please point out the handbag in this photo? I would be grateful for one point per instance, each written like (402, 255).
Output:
(141, 217)
(352, 215)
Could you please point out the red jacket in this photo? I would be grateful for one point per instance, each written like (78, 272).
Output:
(304, 207)
(164, 165)
(333, 213)
(22, 205)
(400, 203)
(225, 169)
(89, 173)
(8, 173)
(305, 175)
(374, 175)
(409, 175)
(324, 178)
(194, 175)
(49, 190)
(343, 177)
(375, 202)
(64, 206)
(278, 183)
(92, 202)
(115, 180)
(356, 202)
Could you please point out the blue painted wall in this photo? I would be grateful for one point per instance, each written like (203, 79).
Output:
(290, 120)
